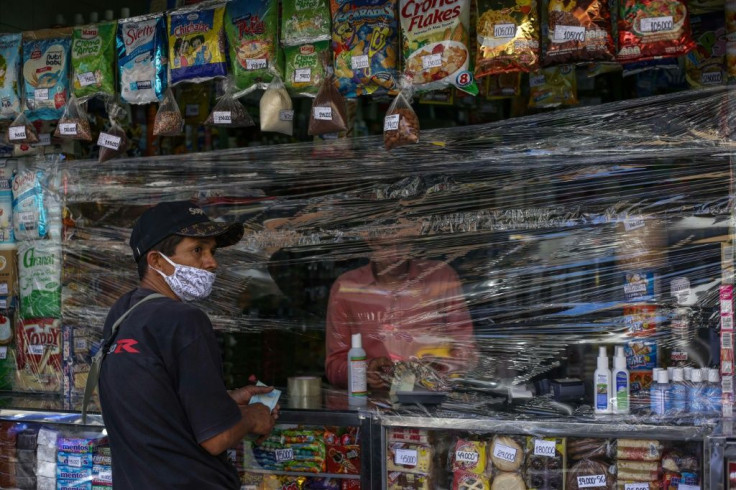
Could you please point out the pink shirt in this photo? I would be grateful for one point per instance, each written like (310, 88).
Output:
(424, 313)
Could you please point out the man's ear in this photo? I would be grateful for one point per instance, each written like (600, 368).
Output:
(153, 258)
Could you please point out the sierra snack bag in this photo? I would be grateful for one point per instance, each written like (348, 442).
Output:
(39, 278)
(365, 44)
(304, 72)
(196, 44)
(9, 68)
(251, 28)
(46, 73)
(578, 31)
(508, 37)
(649, 29)
(141, 53)
(38, 355)
(705, 65)
(305, 21)
(436, 37)
(93, 60)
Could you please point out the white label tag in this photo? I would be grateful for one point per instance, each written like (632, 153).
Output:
(391, 123)
(222, 117)
(303, 75)
(634, 224)
(17, 133)
(636, 486)
(504, 452)
(44, 139)
(657, 24)
(27, 217)
(41, 94)
(286, 115)
(431, 61)
(80, 344)
(544, 448)
(3, 288)
(4, 352)
(35, 350)
(323, 113)
(75, 461)
(109, 141)
(256, 64)
(359, 62)
(192, 110)
(726, 306)
(504, 31)
(569, 33)
(86, 79)
(467, 457)
(284, 455)
(592, 481)
(406, 457)
(536, 80)
(105, 475)
(687, 487)
(68, 129)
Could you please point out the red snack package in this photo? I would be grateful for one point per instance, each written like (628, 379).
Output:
(579, 30)
(344, 460)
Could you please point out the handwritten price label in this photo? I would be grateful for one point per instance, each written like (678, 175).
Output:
(68, 129)
(569, 33)
(467, 457)
(17, 133)
(41, 94)
(592, 481)
(504, 31)
(406, 457)
(323, 113)
(504, 452)
(544, 448)
(391, 123)
(86, 79)
(75, 461)
(109, 141)
(222, 117)
(359, 62)
(657, 24)
(431, 61)
(256, 64)
(303, 75)
(284, 455)
(636, 486)
(286, 115)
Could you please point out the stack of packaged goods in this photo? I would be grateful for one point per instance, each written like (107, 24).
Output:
(8, 459)
(680, 467)
(410, 459)
(74, 468)
(469, 465)
(591, 463)
(638, 462)
(25, 451)
(545, 463)
(301, 450)
(102, 468)
(46, 450)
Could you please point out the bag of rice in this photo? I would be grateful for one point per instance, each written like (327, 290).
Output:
(276, 112)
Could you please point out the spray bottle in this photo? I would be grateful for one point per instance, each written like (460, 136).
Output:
(621, 402)
(602, 383)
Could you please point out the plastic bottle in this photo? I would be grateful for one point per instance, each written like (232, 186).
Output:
(678, 391)
(357, 370)
(696, 403)
(602, 383)
(621, 382)
(713, 393)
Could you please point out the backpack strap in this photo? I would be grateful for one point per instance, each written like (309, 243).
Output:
(94, 370)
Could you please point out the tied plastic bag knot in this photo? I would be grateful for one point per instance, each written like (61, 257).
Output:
(401, 124)
(169, 121)
(229, 112)
(22, 131)
(74, 123)
(276, 110)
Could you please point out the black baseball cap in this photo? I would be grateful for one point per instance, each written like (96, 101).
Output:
(179, 218)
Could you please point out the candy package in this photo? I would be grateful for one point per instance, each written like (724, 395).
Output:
(46, 72)
(141, 53)
(196, 44)
(168, 121)
(578, 31)
(705, 65)
(93, 60)
(650, 29)
(401, 124)
(328, 114)
(553, 87)
(9, 69)
(276, 112)
(229, 112)
(113, 142)
(303, 69)
(74, 123)
(22, 131)
(305, 21)
(508, 37)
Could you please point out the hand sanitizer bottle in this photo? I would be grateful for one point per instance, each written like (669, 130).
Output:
(357, 372)
(602, 383)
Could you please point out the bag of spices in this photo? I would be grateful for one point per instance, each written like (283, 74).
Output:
(508, 37)
(74, 123)
(9, 70)
(93, 60)
(46, 72)
(276, 112)
(229, 112)
(328, 114)
(22, 131)
(142, 58)
(196, 44)
(401, 124)
(168, 121)
(113, 142)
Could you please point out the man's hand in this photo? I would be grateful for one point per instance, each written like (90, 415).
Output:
(380, 371)
(243, 395)
(259, 418)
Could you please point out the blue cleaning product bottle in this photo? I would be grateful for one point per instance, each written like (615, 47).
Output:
(714, 393)
(696, 401)
(678, 391)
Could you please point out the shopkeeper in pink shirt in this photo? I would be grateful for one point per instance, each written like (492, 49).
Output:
(405, 308)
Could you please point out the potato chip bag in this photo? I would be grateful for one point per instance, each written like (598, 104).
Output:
(93, 60)
(196, 44)
(436, 36)
(46, 73)
(305, 21)
(365, 44)
(508, 37)
(142, 58)
(578, 30)
(705, 65)
(9, 70)
(303, 70)
(649, 29)
(553, 87)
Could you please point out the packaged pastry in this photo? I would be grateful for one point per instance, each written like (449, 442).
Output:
(588, 473)
(416, 436)
(469, 456)
(588, 448)
(638, 450)
(545, 463)
(409, 458)
(506, 453)
(407, 481)
(462, 480)
(645, 471)
(508, 481)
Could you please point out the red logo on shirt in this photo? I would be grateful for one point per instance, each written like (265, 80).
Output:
(125, 345)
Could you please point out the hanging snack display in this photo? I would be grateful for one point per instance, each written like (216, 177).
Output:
(365, 44)
(251, 28)
(553, 87)
(436, 38)
(22, 131)
(276, 111)
(508, 37)
(649, 29)
(93, 60)
(196, 44)
(303, 69)
(74, 123)
(305, 21)
(38, 352)
(328, 114)
(141, 52)
(168, 121)
(46, 73)
(578, 31)
(705, 65)
(10, 45)
(401, 124)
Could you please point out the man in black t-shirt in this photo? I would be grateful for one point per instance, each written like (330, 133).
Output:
(168, 414)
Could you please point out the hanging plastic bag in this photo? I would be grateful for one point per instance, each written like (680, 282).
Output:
(113, 142)
(74, 123)
(277, 114)
(401, 124)
(22, 131)
(328, 114)
(168, 120)
(228, 111)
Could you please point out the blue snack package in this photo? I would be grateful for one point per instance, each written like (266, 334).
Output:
(46, 76)
(141, 49)
(73, 460)
(9, 73)
(196, 45)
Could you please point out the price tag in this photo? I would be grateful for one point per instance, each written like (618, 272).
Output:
(75, 461)
(504, 31)
(323, 113)
(391, 123)
(656, 24)
(636, 486)
(569, 33)
(688, 487)
(256, 64)
(406, 457)
(431, 61)
(359, 62)
(284, 455)
(44, 139)
(544, 448)
(592, 481)
(109, 141)
(222, 117)
(303, 75)
(80, 344)
(17, 133)
(467, 457)
(68, 129)
(27, 217)
(504, 452)
(35, 350)
(536, 80)
(192, 110)
(286, 115)
(105, 476)
(3, 304)
(86, 79)
(4, 352)
(41, 94)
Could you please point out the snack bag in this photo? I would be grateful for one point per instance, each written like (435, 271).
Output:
(252, 36)
(277, 114)
(9, 69)
(22, 131)
(229, 112)
(508, 37)
(305, 21)
(705, 65)
(46, 73)
(401, 124)
(93, 60)
(578, 31)
(168, 120)
(503, 85)
(142, 58)
(113, 142)
(303, 71)
(328, 114)
(74, 123)
(553, 87)
(650, 29)
(365, 45)
(196, 44)
(435, 44)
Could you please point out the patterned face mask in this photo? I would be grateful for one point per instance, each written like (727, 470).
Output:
(188, 283)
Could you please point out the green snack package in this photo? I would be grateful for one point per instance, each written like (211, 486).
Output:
(39, 267)
(305, 21)
(304, 71)
(93, 60)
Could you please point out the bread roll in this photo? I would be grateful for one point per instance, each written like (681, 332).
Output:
(506, 453)
(508, 481)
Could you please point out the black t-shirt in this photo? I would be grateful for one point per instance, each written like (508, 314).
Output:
(162, 394)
